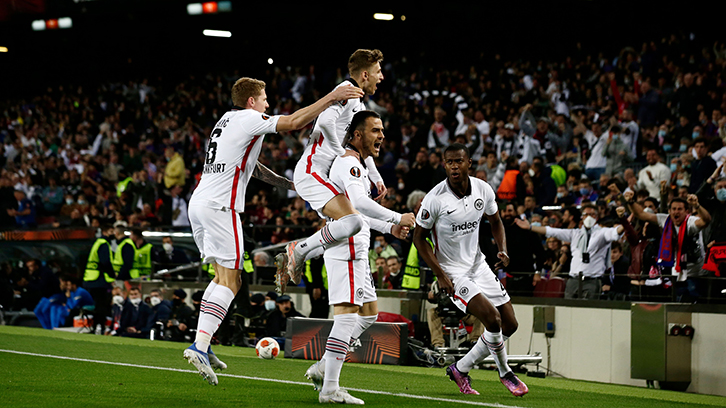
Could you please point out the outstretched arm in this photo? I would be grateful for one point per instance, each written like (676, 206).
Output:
(270, 177)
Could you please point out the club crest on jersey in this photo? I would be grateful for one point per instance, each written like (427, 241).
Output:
(425, 215)
(359, 293)
(479, 204)
(464, 291)
(355, 171)
(265, 117)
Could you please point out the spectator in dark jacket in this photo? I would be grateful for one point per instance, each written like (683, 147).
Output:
(160, 306)
(277, 320)
(545, 189)
(528, 251)
(137, 318)
(615, 282)
(178, 326)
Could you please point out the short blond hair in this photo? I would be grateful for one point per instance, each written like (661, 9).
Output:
(246, 88)
(363, 59)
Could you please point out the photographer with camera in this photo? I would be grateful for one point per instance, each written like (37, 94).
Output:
(447, 314)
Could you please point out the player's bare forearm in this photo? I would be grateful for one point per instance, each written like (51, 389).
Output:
(498, 233)
(270, 177)
(424, 250)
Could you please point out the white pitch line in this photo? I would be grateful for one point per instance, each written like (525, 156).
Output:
(245, 377)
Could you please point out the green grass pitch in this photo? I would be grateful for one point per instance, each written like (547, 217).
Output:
(63, 369)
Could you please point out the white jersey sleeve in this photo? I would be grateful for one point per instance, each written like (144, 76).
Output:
(490, 203)
(373, 171)
(428, 213)
(326, 123)
(349, 174)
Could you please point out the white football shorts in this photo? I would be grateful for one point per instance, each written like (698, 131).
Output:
(314, 187)
(218, 235)
(480, 280)
(350, 282)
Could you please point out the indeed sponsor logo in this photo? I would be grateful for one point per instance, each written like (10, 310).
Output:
(464, 226)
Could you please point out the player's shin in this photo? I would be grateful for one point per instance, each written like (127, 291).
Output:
(342, 228)
(495, 344)
(336, 349)
(215, 310)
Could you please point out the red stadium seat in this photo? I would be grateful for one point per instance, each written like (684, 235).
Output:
(541, 289)
(555, 288)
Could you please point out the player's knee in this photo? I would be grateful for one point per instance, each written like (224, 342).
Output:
(509, 328)
(354, 223)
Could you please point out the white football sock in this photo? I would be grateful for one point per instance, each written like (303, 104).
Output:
(338, 230)
(495, 344)
(336, 349)
(314, 253)
(215, 310)
(207, 293)
(363, 323)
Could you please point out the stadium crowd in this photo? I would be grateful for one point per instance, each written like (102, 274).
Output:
(633, 130)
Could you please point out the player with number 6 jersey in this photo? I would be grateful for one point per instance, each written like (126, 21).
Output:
(232, 151)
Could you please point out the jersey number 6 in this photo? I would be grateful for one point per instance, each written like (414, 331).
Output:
(212, 148)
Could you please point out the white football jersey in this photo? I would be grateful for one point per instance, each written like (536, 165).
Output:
(454, 223)
(232, 152)
(324, 147)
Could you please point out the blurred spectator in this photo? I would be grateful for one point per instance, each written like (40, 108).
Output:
(178, 326)
(526, 256)
(174, 172)
(381, 249)
(169, 256)
(277, 319)
(137, 318)
(393, 276)
(702, 167)
(24, 213)
(160, 306)
(616, 283)
(52, 197)
(34, 283)
(653, 174)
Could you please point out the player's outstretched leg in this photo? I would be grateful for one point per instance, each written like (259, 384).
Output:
(343, 228)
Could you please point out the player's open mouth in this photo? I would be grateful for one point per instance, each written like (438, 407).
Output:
(377, 146)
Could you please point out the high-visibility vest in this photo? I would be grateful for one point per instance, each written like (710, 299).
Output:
(123, 185)
(412, 272)
(247, 266)
(142, 259)
(309, 274)
(92, 272)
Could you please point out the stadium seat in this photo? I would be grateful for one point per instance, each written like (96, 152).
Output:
(541, 289)
(555, 288)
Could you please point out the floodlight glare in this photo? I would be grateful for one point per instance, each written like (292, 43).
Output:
(217, 33)
(383, 16)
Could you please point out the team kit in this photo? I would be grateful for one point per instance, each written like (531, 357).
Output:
(334, 176)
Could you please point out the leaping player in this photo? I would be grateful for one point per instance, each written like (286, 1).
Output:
(312, 172)
(453, 211)
(351, 287)
(234, 146)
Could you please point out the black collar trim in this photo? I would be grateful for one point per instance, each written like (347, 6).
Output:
(467, 193)
(351, 147)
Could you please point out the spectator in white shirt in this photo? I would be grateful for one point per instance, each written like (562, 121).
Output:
(651, 175)
(590, 252)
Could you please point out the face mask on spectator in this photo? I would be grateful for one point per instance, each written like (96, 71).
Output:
(588, 222)
(118, 300)
(649, 210)
(560, 194)
(136, 301)
(531, 172)
(536, 224)
(662, 133)
(615, 137)
(694, 135)
(154, 301)
(69, 201)
(667, 147)
(168, 247)
(684, 148)
(269, 305)
(81, 202)
(674, 167)
(584, 191)
(721, 194)
(679, 182)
